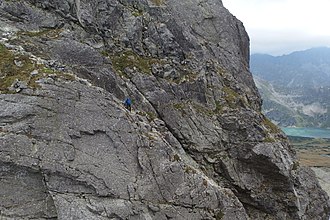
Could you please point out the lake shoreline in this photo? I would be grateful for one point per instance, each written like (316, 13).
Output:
(314, 153)
(307, 132)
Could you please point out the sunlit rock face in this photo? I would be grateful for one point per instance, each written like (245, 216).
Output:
(194, 146)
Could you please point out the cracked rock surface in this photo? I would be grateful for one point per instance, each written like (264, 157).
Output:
(195, 145)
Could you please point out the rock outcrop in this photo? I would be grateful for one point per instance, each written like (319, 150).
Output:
(195, 146)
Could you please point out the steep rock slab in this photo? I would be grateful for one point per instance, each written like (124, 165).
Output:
(23, 194)
(97, 161)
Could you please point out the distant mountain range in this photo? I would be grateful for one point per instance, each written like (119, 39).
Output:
(295, 87)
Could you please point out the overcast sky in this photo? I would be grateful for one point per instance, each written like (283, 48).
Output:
(282, 26)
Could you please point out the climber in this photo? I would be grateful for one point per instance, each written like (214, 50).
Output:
(128, 104)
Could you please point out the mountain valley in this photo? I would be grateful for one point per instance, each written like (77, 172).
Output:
(295, 88)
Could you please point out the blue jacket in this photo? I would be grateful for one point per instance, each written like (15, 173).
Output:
(128, 102)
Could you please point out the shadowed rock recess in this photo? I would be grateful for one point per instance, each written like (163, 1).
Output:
(195, 146)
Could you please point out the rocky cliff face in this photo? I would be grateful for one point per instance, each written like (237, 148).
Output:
(195, 145)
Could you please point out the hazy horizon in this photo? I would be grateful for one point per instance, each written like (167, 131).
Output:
(294, 51)
(279, 27)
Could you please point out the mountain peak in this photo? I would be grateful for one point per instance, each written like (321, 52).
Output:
(298, 87)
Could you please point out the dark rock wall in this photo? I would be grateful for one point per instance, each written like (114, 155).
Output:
(195, 146)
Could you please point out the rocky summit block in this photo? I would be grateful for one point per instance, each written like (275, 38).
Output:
(194, 146)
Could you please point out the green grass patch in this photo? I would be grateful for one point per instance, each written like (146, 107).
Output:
(309, 142)
(104, 53)
(219, 215)
(221, 71)
(271, 126)
(200, 109)
(269, 140)
(129, 59)
(176, 158)
(231, 97)
(203, 110)
(14, 67)
(19, 67)
(186, 76)
(179, 106)
(218, 107)
(49, 33)
(137, 13)
(295, 165)
(158, 2)
(151, 116)
(190, 170)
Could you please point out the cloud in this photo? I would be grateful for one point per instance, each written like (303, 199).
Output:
(284, 42)
(280, 26)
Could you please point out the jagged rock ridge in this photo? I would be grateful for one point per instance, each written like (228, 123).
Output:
(195, 146)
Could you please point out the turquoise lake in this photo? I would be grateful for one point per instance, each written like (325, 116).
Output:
(307, 132)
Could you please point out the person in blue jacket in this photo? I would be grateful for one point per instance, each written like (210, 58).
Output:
(128, 104)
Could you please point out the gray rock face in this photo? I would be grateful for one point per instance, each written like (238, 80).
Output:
(195, 145)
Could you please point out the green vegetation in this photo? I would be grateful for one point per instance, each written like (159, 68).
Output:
(271, 129)
(218, 107)
(312, 152)
(150, 115)
(205, 182)
(158, 2)
(129, 59)
(186, 75)
(219, 215)
(179, 106)
(14, 67)
(104, 53)
(200, 109)
(221, 71)
(137, 9)
(231, 96)
(309, 142)
(19, 67)
(190, 170)
(270, 126)
(176, 157)
(295, 165)
(137, 12)
(151, 136)
(203, 110)
(49, 33)
(269, 139)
